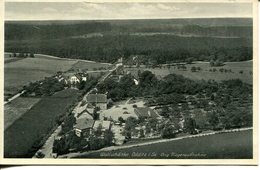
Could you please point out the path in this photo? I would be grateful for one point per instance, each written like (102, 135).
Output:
(128, 100)
(14, 97)
(47, 147)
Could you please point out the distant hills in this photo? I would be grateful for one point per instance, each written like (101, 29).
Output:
(161, 39)
(21, 30)
(182, 21)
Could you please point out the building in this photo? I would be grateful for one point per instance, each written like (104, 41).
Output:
(146, 112)
(98, 100)
(104, 124)
(83, 127)
(74, 79)
(77, 78)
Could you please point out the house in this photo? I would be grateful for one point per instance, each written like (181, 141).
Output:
(83, 127)
(74, 79)
(146, 112)
(98, 100)
(85, 114)
(104, 124)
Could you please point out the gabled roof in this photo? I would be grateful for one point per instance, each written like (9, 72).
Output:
(84, 123)
(105, 124)
(97, 98)
(78, 76)
(145, 112)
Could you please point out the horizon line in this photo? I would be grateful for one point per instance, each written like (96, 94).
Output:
(126, 19)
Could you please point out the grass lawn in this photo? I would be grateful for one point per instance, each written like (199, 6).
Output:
(236, 67)
(37, 122)
(89, 66)
(235, 145)
(9, 59)
(21, 72)
(16, 108)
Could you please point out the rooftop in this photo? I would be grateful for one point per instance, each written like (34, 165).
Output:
(145, 112)
(97, 98)
(103, 123)
(84, 123)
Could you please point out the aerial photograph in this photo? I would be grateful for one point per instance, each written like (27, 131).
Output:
(128, 80)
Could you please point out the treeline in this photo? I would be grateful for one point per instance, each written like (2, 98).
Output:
(18, 31)
(225, 31)
(159, 48)
(64, 29)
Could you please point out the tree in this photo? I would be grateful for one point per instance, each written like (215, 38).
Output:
(212, 63)
(21, 55)
(69, 121)
(121, 120)
(193, 69)
(213, 119)
(169, 131)
(95, 114)
(130, 125)
(95, 143)
(108, 137)
(147, 79)
(98, 131)
(190, 125)
(141, 133)
(189, 60)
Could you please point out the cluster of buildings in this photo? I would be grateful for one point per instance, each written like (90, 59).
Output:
(72, 79)
(108, 118)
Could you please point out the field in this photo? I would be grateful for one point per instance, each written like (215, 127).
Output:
(19, 72)
(235, 145)
(236, 67)
(36, 123)
(16, 108)
(8, 59)
(88, 66)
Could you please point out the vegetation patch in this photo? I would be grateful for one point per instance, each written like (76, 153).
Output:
(88, 66)
(234, 145)
(16, 108)
(33, 126)
(22, 72)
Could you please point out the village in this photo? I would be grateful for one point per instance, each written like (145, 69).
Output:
(101, 119)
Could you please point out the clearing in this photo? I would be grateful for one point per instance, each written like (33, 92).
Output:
(236, 67)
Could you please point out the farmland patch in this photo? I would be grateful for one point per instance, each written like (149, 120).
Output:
(16, 108)
(36, 123)
(85, 66)
(20, 73)
(205, 73)
(235, 145)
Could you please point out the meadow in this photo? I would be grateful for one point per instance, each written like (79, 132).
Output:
(205, 74)
(22, 72)
(34, 125)
(16, 108)
(89, 66)
(235, 145)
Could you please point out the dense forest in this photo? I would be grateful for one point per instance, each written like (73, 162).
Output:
(161, 41)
